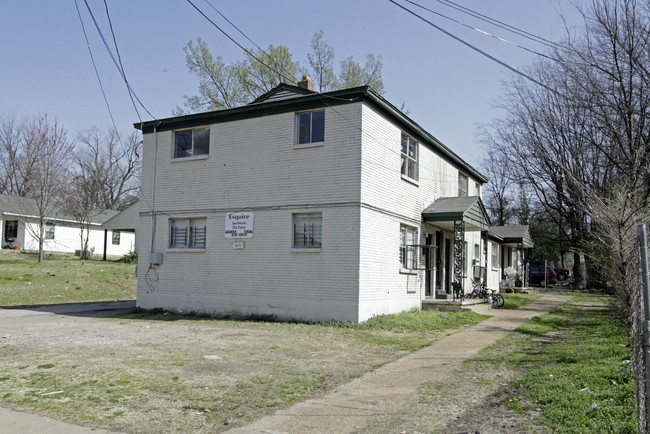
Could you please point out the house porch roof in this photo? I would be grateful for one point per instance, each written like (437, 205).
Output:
(447, 210)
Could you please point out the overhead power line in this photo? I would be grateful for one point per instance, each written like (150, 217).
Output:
(500, 24)
(478, 50)
(483, 32)
(247, 51)
(116, 63)
(92, 58)
(119, 58)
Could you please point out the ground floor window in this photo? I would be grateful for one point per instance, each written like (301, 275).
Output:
(49, 231)
(308, 230)
(187, 233)
(11, 229)
(116, 238)
(408, 237)
(495, 256)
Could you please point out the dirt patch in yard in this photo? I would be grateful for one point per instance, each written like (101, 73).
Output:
(187, 375)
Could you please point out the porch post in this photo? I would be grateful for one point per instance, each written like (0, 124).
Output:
(459, 237)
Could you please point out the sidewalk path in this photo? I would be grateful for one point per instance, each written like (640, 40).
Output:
(351, 407)
(26, 423)
(393, 389)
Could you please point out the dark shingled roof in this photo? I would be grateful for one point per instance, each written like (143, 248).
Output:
(514, 234)
(26, 207)
(469, 209)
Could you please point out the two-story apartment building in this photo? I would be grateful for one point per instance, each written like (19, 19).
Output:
(314, 206)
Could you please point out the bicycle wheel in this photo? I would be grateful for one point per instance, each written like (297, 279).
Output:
(500, 298)
(495, 301)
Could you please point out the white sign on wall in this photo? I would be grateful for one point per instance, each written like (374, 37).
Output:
(239, 225)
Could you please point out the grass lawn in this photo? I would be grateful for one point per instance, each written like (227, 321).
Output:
(572, 367)
(515, 301)
(62, 279)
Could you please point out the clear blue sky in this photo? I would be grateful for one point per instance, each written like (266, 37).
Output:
(448, 88)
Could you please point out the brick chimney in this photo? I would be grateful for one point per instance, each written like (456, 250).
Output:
(306, 83)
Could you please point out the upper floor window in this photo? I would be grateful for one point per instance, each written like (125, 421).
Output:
(311, 127)
(477, 186)
(409, 157)
(189, 143)
(308, 230)
(187, 233)
(463, 182)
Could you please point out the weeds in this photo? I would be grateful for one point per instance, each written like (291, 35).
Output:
(574, 366)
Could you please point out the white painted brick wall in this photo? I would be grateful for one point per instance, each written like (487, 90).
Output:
(254, 163)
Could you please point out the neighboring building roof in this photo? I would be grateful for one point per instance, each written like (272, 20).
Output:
(286, 98)
(26, 207)
(126, 220)
(468, 209)
(515, 235)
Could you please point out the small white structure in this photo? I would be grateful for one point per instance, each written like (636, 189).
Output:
(19, 226)
(333, 206)
(514, 246)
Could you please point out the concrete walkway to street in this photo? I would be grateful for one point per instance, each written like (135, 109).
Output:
(393, 389)
(352, 406)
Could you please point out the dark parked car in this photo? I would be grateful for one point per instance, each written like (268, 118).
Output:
(561, 273)
(537, 275)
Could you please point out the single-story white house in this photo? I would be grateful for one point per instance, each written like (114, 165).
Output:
(19, 228)
(306, 205)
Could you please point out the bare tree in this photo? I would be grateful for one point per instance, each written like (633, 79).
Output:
(107, 167)
(11, 181)
(321, 62)
(47, 152)
(498, 193)
(581, 144)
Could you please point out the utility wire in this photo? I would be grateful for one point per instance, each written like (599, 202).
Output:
(478, 50)
(498, 38)
(110, 52)
(247, 51)
(119, 58)
(92, 58)
(252, 42)
(500, 24)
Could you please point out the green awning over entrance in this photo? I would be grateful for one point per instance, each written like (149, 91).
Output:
(447, 210)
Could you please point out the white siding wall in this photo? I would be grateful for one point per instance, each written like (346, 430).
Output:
(253, 165)
(67, 239)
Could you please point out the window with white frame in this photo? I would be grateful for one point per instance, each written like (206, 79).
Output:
(187, 233)
(463, 182)
(116, 238)
(409, 157)
(310, 127)
(192, 142)
(407, 249)
(308, 230)
(49, 231)
(495, 256)
(477, 186)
